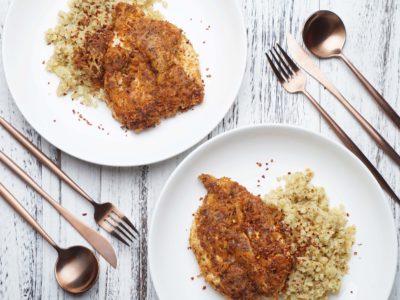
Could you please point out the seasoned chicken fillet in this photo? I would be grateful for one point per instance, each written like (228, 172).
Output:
(240, 243)
(151, 70)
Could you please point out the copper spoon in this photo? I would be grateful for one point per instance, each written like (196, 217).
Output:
(77, 268)
(324, 34)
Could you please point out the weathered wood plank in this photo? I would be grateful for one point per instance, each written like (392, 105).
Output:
(27, 262)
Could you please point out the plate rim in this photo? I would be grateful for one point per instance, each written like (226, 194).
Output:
(235, 131)
(106, 162)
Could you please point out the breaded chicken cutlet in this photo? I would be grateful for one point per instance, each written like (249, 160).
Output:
(151, 70)
(147, 68)
(240, 243)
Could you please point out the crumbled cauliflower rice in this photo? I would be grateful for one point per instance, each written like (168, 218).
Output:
(321, 230)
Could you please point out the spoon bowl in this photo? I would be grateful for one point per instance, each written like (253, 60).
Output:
(324, 34)
(77, 269)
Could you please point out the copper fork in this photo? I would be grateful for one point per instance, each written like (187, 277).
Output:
(294, 81)
(107, 215)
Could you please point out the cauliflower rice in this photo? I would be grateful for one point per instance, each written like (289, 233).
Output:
(321, 231)
(84, 16)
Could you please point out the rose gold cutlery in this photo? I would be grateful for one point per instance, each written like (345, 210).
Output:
(77, 268)
(302, 58)
(107, 215)
(324, 34)
(294, 81)
(99, 243)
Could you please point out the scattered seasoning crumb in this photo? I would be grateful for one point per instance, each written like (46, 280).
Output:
(73, 111)
(258, 185)
(54, 120)
(84, 214)
(355, 253)
(258, 164)
(289, 173)
(190, 19)
(207, 69)
(189, 248)
(360, 244)
(191, 278)
(204, 42)
(48, 82)
(208, 76)
(272, 160)
(193, 215)
(347, 214)
(263, 176)
(258, 180)
(204, 287)
(43, 62)
(266, 164)
(351, 292)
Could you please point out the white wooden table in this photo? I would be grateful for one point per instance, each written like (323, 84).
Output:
(27, 262)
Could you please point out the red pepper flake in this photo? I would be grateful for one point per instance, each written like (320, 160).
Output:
(258, 164)
(204, 287)
(272, 160)
(191, 278)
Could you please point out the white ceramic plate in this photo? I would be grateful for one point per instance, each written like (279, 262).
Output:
(222, 51)
(234, 154)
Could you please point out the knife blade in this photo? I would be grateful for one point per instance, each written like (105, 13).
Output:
(303, 59)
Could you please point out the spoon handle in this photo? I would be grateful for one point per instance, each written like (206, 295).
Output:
(392, 114)
(14, 203)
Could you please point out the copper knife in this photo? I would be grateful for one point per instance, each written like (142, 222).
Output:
(98, 242)
(304, 60)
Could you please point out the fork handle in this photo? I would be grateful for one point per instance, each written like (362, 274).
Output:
(44, 159)
(392, 114)
(348, 142)
(17, 206)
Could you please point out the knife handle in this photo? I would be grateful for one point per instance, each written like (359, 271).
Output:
(348, 142)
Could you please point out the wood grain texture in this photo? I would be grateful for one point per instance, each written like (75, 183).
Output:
(27, 262)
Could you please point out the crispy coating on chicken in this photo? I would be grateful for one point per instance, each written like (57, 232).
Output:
(241, 244)
(151, 70)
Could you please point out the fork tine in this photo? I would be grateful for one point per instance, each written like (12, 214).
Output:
(130, 224)
(282, 67)
(125, 219)
(112, 231)
(282, 61)
(288, 59)
(277, 73)
(119, 223)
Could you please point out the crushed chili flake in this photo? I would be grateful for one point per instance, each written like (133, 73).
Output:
(192, 278)
(204, 287)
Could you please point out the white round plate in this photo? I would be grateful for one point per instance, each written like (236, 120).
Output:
(235, 154)
(217, 32)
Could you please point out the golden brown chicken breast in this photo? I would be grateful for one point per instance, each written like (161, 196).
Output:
(240, 243)
(151, 70)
